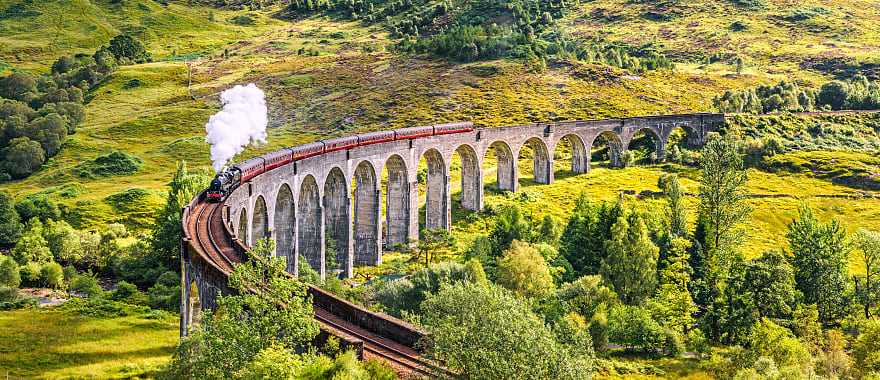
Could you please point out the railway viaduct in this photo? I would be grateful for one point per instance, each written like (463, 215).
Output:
(335, 199)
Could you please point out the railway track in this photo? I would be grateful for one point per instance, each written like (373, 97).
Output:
(207, 234)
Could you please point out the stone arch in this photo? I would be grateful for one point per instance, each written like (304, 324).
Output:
(337, 216)
(367, 203)
(284, 226)
(243, 226)
(471, 178)
(260, 223)
(309, 223)
(572, 147)
(194, 305)
(505, 167)
(639, 138)
(397, 202)
(542, 169)
(614, 148)
(437, 191)
(682, 135)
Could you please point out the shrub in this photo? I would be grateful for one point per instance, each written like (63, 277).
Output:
(126, 48)
(633, 328)
(86, 284)
(52, 275)
(110, 164)
(9, 275)
(866, 349)
(30, 274)
(165, 294)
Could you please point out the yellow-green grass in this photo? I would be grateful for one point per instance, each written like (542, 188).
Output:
(50, 343)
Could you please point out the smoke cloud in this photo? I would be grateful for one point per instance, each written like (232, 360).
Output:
(241, 122)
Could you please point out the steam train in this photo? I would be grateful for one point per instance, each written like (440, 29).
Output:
(230, 178)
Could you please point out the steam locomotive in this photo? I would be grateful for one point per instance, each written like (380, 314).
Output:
(230, 178)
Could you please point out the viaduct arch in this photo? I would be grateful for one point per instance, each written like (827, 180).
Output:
(334, 202)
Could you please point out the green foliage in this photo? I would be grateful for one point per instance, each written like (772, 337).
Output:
(10, 224)
(866, 349)
(271, 308)
(511, 225)
(583, 240)
(52, 275)
(867, 284)
(761, 287)
(631, 264)
(165, 293)
(37, 207)
(633, 328)
(114, 163)
(785, 96)
(166, 233)
(87, 284)
(23, 157)
(32, 247)
(672, 306)
(126, 48)
(9, 273)
(488, 333)
(820, 264)
(406, 295)
(523, 270)
(434, 242)
(676, 213)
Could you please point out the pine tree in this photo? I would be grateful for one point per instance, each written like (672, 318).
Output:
(631, 264)
(673, 305)
(676, 214)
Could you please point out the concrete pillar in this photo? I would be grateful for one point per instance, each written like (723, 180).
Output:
(377, 240)
(322, 244)
(397, 203)
(413, 222)
(446, 223)
(367, 209)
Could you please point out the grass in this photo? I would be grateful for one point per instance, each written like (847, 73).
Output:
(51, 343)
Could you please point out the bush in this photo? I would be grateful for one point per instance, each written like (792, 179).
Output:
(52, 275)
(9, 274)
(110, 164)
(126, 48)
(30, 274)
(165, 294)
(866, 349)
(633, 328)
(86, 284)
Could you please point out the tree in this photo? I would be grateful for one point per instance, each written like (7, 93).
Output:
(820, 264)
(761, 287)
(834, 94)
(866, 349)
(37, 207)
(23, 157)
(19, 86)
(63, 241)
(9, 274)
(722, 210)
(673, 305)
(32, 247)
(549, 231)
(631, 264)
(523, 270)
(868, 243)
(434, 242)
(485, 332)
(10, 225)
(52, 275)
(779, 344)
(127, 48)
(583, 241)
(511, 225)
(676, 213)
(50, 131)
(166, 232)
(633, 328)
(271, 308)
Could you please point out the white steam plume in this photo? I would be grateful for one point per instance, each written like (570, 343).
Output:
(242, 121)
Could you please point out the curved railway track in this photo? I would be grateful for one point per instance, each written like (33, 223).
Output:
(208, 236)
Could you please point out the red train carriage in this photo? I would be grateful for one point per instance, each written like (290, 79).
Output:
(445, 129)
(308, 150)
(413, 132)
(375, 137)
(341, 143)
(277, 158)
(251, 168)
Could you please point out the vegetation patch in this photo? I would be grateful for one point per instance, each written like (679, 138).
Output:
(858, 170)
(114, 163)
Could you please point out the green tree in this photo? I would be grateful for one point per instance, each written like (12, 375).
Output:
(511, 225)
(549, 231)
(64, 241)
(631, 264)
(868, 243)
(633, 328)
(676, 213)
(271, 308)
(722, 210)
(166, 232)
(434, 242)
(52, 275)
(820, 264)
(10, 224)
(37, 207)
(23, 157)
(485, 332)
(126, 48)
(761, 287)
(866, 349)
(673, 305)
(523, 270)
(32, 247)
(9, 274)
(19, 86)
(583, 240)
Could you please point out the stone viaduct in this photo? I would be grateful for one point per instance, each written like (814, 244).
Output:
(335, 199)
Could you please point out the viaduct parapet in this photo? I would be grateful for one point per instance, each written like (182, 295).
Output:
(336, 197)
